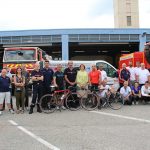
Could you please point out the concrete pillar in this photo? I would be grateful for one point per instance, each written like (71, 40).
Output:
(142, 38)
(65, 47)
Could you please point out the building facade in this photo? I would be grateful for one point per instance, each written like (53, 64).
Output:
(126, 13)
(79, 44)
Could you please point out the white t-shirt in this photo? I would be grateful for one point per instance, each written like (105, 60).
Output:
(103, 74)
(125, 92)
(137, 70)
(103, 90)
(145, 91)
(143, 76)
(132, 73)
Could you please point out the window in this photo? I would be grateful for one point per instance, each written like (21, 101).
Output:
(129, 21)
(109, 69)
(15, 55)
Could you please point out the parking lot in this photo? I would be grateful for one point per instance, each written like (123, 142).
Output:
(105, 129)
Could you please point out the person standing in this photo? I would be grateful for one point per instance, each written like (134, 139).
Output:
(143, 75)
(37, 79)
(132, 74)
(59, 83)
(25, 73)
(94, 78)
(5, 91)
(48, 74)
(137, 69)
(59, 78)
(19, 81)
(10, 76)
(82, 81)
(103, 73)
(70, 74)
(124, 75)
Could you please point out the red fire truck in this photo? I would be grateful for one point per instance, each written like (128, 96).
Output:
(142, 57)
(15, 56)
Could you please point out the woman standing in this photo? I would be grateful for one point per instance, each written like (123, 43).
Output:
(82, 80)
(19, 81)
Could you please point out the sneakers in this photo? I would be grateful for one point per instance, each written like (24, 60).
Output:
(63, 107)
(1, 113)
(11, 111)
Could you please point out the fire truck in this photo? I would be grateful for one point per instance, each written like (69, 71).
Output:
(15, 56)
(142, 57)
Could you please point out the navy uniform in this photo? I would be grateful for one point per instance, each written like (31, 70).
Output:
(37, 90)
(48, 79)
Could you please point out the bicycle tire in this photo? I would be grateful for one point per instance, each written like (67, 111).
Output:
(116, 102)
(47, 104)
(73, 101)
(91, 102)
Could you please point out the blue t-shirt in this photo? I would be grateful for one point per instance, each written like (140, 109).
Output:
(136, 91)
(48, 76)
(4, 84)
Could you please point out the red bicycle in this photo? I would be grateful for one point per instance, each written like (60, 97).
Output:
(50, 102)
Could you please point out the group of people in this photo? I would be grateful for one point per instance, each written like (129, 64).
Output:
(131, 81)
(134, 83)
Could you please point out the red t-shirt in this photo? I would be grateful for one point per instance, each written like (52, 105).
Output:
(94, 77)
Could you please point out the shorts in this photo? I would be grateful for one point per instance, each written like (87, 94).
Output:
(4, 96)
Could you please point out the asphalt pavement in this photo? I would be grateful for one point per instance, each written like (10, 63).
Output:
(105, 129)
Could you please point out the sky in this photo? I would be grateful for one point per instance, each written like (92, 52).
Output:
(63, 14)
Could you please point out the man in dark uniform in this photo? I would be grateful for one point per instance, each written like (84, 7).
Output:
(48, 77)
(37, 78)
(70, 75)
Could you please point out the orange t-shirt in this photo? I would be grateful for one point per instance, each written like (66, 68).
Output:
(94, 76)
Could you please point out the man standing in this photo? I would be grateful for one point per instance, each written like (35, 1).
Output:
(59, 78)
(8, 74)
(5, 91)
(143, 75)
(103, 73)
(132, 74)
(70, 75)
(48, 77)
(124, 74)
(37, 78)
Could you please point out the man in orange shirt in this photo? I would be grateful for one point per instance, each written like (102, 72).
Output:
(94, 78)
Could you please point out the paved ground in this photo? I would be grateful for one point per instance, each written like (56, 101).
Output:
(106, 129)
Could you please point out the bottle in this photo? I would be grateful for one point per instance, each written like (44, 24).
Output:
(62, 97)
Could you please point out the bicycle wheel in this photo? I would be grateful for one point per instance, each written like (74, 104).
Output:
(91, 102)
(73, 102)
(115, 102)
(47, 103)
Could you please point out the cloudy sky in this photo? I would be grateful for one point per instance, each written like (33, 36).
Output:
(54, 14)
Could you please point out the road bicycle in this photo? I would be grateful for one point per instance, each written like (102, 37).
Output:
(92, 100)
(50, 102)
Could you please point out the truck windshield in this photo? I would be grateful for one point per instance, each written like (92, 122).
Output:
(15, 55)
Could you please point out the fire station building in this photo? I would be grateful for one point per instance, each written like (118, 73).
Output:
(79, 44)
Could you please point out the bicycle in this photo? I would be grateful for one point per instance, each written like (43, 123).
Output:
(93, 100)
(50, 102)
(113, 100)
(89, 99)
